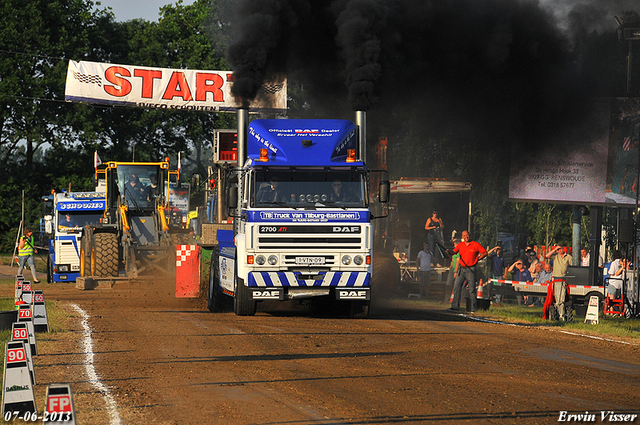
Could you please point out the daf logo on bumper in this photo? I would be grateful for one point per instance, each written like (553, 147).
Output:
(352, 294)
(346, 229)
(266, 294)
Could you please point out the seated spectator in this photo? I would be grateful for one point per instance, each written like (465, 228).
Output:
(616, 276)
(545, 275)
(537, 269)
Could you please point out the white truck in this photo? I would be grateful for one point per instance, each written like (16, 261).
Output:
(71, 212)
(302, 224)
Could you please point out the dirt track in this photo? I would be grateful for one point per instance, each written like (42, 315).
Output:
(167, 361)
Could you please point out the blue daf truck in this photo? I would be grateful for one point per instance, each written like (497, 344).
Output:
(300, 199)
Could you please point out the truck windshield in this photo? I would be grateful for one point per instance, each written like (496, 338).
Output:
(303, 189)
(69, 221)
(139, 185)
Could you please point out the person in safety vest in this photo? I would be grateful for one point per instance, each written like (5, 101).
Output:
(26, 250)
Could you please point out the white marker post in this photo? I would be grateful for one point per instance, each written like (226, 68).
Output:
(17, 390)
(19, 282)
(25, 315)
(26, 292)
(593, 311)
(19, 332)
(59, 408)
(40, 320)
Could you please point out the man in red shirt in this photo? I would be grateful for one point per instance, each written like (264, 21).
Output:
(470, 253)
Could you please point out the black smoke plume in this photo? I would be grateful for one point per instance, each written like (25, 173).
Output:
(490, 73)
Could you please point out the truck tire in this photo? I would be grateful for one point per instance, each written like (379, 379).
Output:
(216, 301)
(243, 305)
(385, 280)
(358, 309)
(105, 255)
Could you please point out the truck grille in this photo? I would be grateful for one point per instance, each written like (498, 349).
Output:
(309, 238)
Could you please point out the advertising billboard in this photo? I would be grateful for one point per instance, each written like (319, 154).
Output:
(593, 163)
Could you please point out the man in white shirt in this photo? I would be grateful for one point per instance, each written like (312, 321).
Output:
(616, 275)
(585, 257)
(423, 262)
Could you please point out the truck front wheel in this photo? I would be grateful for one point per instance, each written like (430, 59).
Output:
(243, 305)
(358, 309)
(216, 298)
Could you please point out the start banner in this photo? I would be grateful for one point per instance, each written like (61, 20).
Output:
(146, 87)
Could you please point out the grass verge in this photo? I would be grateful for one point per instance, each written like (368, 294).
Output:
(608, 326)
(55, 317)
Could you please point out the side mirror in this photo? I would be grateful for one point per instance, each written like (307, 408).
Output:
(233, 198)
(48, 224)
(383, 191)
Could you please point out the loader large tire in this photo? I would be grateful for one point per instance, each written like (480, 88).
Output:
(243, 305)
(105, 257)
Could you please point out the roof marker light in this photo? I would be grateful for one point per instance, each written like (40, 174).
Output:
(351, 155)
(264, 155)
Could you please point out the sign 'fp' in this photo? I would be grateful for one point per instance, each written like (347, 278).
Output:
(59, 403)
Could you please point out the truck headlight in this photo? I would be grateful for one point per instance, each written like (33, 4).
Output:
(273, 260)
(358, 260)
(260, 260)
(346, 260)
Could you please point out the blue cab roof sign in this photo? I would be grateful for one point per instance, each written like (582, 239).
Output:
(302, 142)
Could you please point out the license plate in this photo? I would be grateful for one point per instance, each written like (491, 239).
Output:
(309, 260)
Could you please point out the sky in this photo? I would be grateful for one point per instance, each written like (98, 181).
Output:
(146, 9)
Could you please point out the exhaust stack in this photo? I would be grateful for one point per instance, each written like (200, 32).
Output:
(243, 134)
(361, 122)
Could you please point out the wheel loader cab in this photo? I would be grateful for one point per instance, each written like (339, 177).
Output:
(138, 185)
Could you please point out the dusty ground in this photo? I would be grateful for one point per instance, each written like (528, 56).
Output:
(167, 361)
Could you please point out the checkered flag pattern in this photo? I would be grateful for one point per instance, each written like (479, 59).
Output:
(89, 79)
(272, 88)
(182, 252)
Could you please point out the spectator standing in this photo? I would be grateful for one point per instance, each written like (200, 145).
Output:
(470, 253)
(26, 249)
(561, 261)
(497, 262)
(424, 263)
(585, 257)
(434, 227)
(498, 266)
(453, 271)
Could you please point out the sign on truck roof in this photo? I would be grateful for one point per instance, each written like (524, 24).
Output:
(302, 142)
(80, 201)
